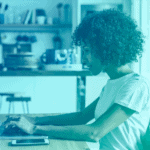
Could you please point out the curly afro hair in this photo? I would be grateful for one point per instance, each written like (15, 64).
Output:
(112, 35)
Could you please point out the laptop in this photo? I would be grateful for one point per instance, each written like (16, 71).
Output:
(17, 135)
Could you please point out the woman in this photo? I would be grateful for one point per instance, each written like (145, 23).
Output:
(110, 41)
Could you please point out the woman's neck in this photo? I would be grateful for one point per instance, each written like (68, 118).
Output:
(117, 72)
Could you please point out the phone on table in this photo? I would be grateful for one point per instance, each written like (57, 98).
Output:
(26, 142)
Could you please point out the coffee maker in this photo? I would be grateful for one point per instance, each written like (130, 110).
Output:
(18, 56)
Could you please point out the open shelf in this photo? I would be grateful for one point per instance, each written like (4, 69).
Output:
(45, 73)
(33, 27)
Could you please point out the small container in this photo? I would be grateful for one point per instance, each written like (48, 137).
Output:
(50, 20)
(69, 58)
(9, 16)
(57, 42)
(15, 50)
(41, 19)
(72, 56)
(1, 57)
(61, 56)
(1, 18)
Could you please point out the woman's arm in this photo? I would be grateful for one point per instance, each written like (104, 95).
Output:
(76, 118)
(116, 115)
(112, 118)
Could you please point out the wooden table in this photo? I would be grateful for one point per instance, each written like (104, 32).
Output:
(54, 144)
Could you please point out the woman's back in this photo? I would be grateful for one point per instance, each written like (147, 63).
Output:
(131, 91)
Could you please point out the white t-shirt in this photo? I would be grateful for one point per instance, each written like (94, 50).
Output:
(131, 91)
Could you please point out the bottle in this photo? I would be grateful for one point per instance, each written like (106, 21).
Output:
(15, 50)
(57, 41)
(74, 57)
(18, 48)
(67, 14)
(69, 58)
(1, 56)
(59, 9)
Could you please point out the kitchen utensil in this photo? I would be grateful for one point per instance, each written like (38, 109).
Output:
(5, 8)
(25, 38)
(33, 39)
(66, 13)
(59, 7)
(50, 20)
(0, 8)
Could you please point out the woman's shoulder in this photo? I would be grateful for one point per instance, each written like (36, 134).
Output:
(138, 81)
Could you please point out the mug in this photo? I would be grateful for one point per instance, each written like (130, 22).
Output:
(61, 56)
(48, 57)
(41, 19)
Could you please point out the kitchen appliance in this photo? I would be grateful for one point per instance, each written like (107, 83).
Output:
(18, 56)
(20, 61)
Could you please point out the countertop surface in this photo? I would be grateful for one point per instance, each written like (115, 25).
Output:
(54, 144)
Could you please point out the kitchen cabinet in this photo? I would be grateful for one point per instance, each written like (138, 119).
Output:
(81, 80)
(47, 28)
(79, 10)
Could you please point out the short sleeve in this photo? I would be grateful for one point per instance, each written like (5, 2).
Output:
(134, 95)
(102, 92)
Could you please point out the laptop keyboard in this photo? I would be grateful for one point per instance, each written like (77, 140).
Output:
(13, 132)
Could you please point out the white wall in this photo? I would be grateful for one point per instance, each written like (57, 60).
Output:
(141, 13)
(48, 94)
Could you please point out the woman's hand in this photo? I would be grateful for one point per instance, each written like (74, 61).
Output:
(17, 117)
(22, 123)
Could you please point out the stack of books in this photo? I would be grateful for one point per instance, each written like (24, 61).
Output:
(31, 15)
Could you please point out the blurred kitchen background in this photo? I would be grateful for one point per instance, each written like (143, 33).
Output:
(46, 45)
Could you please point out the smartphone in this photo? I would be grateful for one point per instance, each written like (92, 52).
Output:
(30, 142)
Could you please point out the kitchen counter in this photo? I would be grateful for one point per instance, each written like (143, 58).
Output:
(54, 145)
